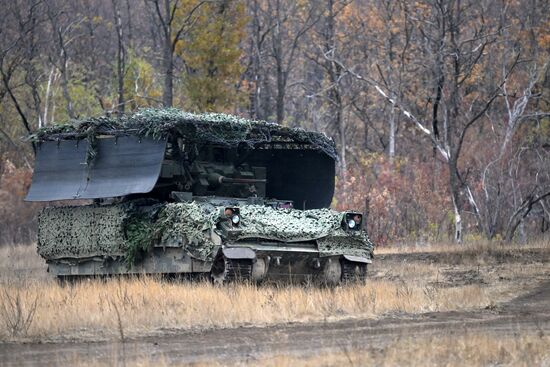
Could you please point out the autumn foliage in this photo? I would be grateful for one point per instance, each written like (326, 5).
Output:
(440, 109)
(18, 218)
(403, 200)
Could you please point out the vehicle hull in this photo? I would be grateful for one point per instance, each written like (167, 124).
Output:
(282, 263)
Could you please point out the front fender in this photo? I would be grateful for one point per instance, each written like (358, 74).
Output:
(358, 259)
(239, 253)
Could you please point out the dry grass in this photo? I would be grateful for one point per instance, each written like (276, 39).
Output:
(144, 306)
(129, 307)
(463, 350)
(22, 262)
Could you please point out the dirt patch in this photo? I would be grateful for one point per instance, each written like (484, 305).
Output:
(462, 277)
(495, 256)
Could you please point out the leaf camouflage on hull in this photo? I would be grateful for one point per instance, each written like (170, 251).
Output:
(131, 229)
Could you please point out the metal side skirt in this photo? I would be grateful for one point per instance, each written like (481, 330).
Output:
(158, 261)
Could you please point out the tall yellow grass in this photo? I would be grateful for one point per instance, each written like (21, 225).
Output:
(33, 306)
(130, 307)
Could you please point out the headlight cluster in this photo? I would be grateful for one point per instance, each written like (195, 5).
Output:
(352, 221)
(233, 214)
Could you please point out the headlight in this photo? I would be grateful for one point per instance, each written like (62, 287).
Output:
(235, 219)
(352, 221)
(233, 214)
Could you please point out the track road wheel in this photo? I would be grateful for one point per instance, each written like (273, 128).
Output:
(331, 273)
(226, 270)
(353, 272)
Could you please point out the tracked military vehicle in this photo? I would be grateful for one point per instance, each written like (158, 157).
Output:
(169, 192)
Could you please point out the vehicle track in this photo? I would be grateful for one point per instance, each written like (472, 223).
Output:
(526, 313)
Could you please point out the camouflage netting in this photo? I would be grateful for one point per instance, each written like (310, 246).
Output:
(123, 230)
(288, 225)
(82, 231)
(342, 242)
(190, 225)
(212, 128)
(129, 229)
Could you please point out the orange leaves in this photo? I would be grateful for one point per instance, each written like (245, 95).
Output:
(18, 217)
(543, 38)
(406, 199)
(16, 180)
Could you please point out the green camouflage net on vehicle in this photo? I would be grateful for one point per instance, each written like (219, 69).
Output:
(206, 128)
(131, 229)
(127, 230)
(82, 231)
(189, 224)
(289, 225)
(140, 230)
(342, 242)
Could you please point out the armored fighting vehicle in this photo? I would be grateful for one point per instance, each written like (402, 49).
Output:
(168, 192)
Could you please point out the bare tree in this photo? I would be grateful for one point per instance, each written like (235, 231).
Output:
(62, 27)
(260, 26)
(121, 57)
(291, 21)
(172, 30)
(18, 57)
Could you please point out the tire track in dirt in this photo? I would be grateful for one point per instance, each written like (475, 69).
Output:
(526, 313)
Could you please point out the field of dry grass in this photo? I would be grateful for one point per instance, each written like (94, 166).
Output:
(146, 306)
(458, 350)
(34, 307)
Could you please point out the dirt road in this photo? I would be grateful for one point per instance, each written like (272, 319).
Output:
(530, 312)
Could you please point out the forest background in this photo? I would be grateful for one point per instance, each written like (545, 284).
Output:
(440, 109)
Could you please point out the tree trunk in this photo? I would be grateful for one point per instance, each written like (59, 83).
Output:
(130, 28)
(343, 142)
(457, 220)
(391, 147)
(121, 59)
(167, 97)
(278, 52)
(65, 85)
(280, 95)
(48, 96)
(455, 196)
